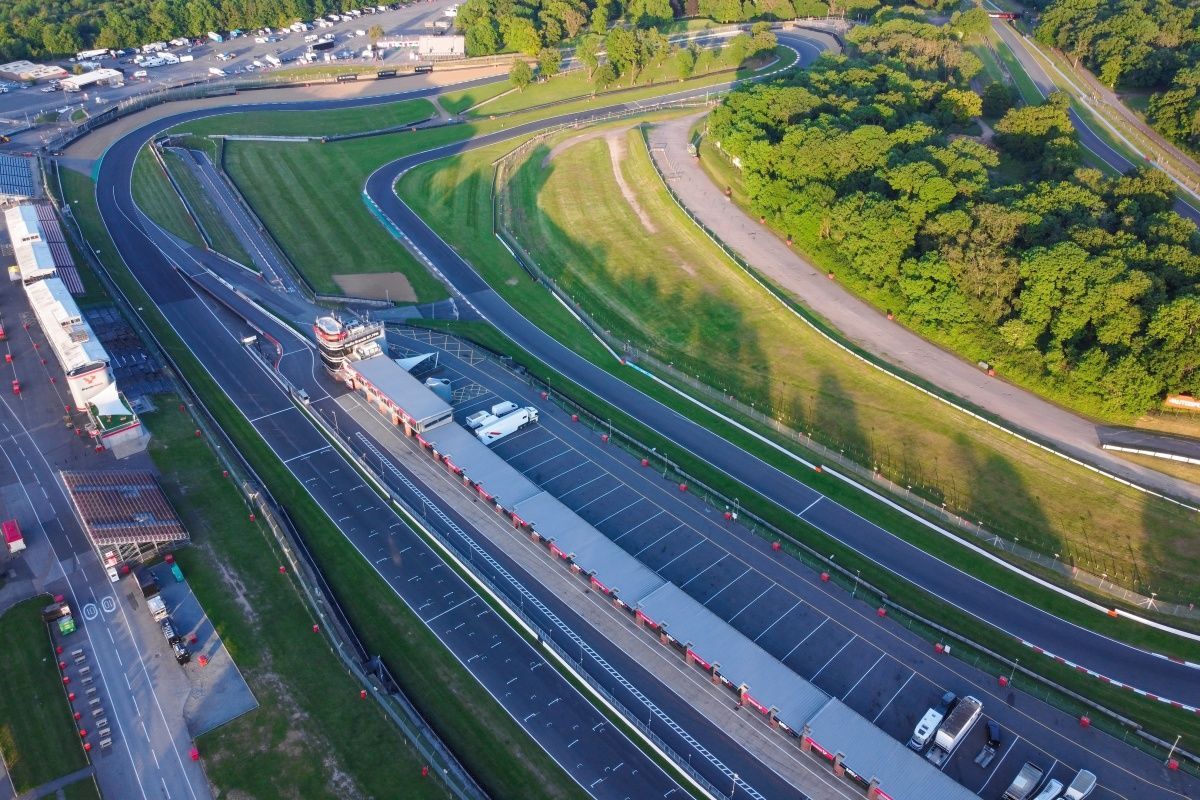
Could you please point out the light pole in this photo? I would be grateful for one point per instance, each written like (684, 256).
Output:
(733, 789)
(1172, 750)
(1013, 674)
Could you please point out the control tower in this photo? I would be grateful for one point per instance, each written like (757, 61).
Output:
(339, 342)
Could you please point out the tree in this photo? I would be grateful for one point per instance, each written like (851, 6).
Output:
(972, 24)
(959, 105)
(549, 62)
(685, 62)
(521, 35)
(587, 51)
(520, 75)
(998, 98)
(375, 33)
(605, 76)
(623, 52)
(482, 38)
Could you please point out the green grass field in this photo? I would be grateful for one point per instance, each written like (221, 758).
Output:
(652, 81)
(314, 123)
(37, 736)
(85, 789)
(460, 100)
(155, 195)
(310, 736)
(505, 761)
(646, 273)
(222, 236)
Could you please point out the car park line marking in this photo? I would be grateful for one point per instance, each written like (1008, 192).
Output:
(640, 524)
(533, 447)
(594, 499)
(626, 508)
(726, 586)
(701, 572)
(865, 674)
(752, 602)
(681, 555)
(893, 697)
(805, 639)
(659, 539)
(776, 620)
(564, 472)
(580, 486)
(1011, 746)
(832, 657)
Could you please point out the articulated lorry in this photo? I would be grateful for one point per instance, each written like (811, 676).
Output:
(492, 432)
(954, 729)
(1026, 781)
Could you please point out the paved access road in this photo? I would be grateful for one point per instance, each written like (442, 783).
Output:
(863, 324)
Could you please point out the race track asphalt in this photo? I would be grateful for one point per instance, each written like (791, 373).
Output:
(1111, 658)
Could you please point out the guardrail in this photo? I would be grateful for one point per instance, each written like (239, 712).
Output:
(318, 595)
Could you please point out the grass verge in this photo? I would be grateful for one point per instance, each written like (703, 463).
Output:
(37, 736)
(505, 761)
(314, 123)
(454, 197)
(159, 200)
(85, 789)
(223, 239)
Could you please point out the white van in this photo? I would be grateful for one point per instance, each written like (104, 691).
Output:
(141, 73)
(925, 729)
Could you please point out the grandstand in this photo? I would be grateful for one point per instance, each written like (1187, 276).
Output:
(16, 178)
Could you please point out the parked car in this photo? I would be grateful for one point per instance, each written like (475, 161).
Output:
(1081, 787)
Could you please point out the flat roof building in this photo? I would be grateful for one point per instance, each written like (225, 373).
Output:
(384, 382)
(28, 71)
(97, 77)
(80, 354)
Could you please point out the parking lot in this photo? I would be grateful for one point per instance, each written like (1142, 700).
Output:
(407, 20)
(879, 669)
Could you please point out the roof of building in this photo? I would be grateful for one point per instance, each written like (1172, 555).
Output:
(95, 76)
(871, 753)
(16, 176)
(30, 250)
(481, 465)
(123, 508)
(70, 335)
(407, 392)
(27, 70)
(592, 550)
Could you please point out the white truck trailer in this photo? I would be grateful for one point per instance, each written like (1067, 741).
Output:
(512, 422)
(954, 729)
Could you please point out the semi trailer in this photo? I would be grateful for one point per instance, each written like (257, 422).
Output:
(510, 423)
(954, 729)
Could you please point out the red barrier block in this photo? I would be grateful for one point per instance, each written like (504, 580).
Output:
(316, 628)
(362, 694)
(204, 661)
(87, 747)
(817, 468)
(939, 648)
(58, 650)
(66, 679)
(776, 546)
(683, 487)
(282, 569)
(424, 771)
(830, 276)
(604, 437)
(224, 473)
(252, 518)
(195, 754)
(825, 577)
(1173, 765)
(881, 611)
(78, 716)
(1085, 721)
(728, 515)
(197, 433)
(71, 697)
(1003, 681)
(62, 665)
(645, 462)
(83, 733)
(169, 558)
(545, 395)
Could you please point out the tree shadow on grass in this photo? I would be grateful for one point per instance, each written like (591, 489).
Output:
(630, 290)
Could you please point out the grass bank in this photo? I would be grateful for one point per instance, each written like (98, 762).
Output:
(314, 123)
(155, 195)
(505, 761)
(223, 239)
(454, 196)
(37, 735)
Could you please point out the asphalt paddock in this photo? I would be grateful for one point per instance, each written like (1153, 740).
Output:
(688, 543)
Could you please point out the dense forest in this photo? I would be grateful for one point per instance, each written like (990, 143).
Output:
(41, 29)
(1152, 44)
(1004, 248)
(526, 26)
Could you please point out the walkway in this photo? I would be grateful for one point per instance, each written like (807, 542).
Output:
(52, 788)
(866, 327)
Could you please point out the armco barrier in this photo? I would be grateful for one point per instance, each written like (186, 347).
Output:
(891, 372)
(1054, 693)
